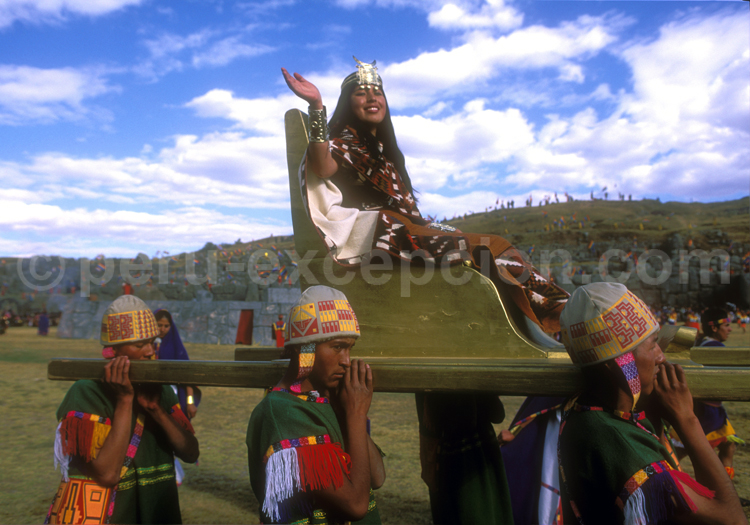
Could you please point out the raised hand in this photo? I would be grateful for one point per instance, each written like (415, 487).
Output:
(505, 436)
(355, 390)
(672, 393)
(148, 396)
(303, 89)
(116, 375)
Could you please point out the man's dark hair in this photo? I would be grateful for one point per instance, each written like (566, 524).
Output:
(709, 319)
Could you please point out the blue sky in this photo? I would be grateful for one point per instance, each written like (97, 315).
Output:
(145, 125)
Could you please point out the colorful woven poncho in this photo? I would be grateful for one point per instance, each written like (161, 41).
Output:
(614, 470)
(147, 492)
(294, 446)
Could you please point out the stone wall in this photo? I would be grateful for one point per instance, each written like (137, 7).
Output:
(199, 321)
(666, 274)
(663, 274)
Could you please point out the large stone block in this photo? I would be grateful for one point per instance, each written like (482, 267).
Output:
(177, 292)
(233, 318)
(95, 325)
(284, 295)
(195, 328)
(82, 305)
(56, 303)
(203, 295)
(229, 292)
(65, 326)
(253, 293)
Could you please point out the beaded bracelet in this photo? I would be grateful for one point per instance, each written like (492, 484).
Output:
(318, 125)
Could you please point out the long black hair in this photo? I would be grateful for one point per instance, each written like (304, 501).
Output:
(343, 116)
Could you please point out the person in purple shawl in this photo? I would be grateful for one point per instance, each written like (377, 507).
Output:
(170, 347)
(531, 461)
(43, 323)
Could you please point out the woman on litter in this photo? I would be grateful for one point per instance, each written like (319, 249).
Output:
(359, 195)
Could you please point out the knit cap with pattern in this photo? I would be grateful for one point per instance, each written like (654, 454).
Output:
(128, 320)
(321, 314)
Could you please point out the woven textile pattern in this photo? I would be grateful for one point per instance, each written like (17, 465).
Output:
(129, 326)
(306, 360)
(323, 317)
(615, 332)
(297, 442)
(639, 478)
(380, 173)
(79, 501)
(626, 362)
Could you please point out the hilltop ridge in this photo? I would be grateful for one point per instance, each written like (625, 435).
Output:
(243, 270)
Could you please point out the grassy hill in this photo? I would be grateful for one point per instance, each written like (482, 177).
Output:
(709, 225)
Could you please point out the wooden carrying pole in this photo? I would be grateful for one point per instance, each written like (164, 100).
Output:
(706, 356)
(523, 377)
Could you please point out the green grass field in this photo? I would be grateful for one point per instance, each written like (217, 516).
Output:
(218, 489)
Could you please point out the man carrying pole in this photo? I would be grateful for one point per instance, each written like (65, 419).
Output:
(613, 468)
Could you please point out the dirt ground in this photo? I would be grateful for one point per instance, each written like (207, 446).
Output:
(217, 490)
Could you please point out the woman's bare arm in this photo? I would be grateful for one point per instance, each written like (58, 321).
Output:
(190, 410)
(319, 157)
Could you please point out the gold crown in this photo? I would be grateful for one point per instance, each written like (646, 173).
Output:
(366, 75)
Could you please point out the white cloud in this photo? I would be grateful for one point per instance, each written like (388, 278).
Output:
(464, 142)
(221, 169)
(83, 232)
(571, 73)
(443, 206)
(693, 71)
(685, 123)
(261, 8)
(492, 15)
(225, 51)
(34, 95)
(483, 58)
(260, 114)
(424, 5)
(50, 11)
(205, 48)
(170, 44)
